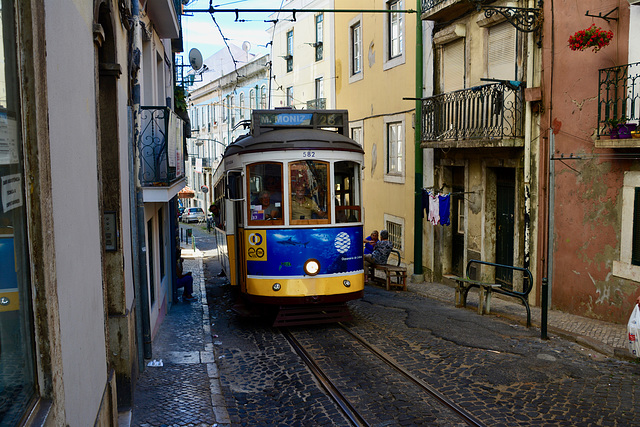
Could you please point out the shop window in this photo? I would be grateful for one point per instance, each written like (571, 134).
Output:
(17, 354)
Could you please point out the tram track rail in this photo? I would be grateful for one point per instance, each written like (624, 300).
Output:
(348, 408)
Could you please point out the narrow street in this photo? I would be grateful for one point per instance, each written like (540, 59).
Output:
(493, 367)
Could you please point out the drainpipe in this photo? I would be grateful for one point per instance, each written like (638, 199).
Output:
(527, 157)
(137, 208)
(418, 276)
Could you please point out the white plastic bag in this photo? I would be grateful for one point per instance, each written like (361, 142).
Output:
(633, 330)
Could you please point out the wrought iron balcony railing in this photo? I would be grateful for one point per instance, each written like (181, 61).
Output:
(430, 4)
(160, 146)
(493, 111)
(618, 96)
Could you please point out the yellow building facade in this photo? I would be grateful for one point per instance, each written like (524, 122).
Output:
(375, 70)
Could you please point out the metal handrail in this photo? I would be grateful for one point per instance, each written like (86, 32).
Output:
(526, 287)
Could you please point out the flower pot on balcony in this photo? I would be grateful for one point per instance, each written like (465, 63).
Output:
(624, 130)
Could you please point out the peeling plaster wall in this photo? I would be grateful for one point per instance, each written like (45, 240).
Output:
(76, 217)
(588, 193)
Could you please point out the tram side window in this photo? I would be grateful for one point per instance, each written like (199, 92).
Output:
(309, 199)
(218, 193)
(347, 189)
(265, 194)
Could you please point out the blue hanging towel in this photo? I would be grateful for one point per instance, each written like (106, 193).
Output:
(445, 209)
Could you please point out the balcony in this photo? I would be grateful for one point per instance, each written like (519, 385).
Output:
(618, 103)
(482, 116)
(160, 149)
(446, 10)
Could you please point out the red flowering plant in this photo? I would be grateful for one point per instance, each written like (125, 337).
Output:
(594, 37)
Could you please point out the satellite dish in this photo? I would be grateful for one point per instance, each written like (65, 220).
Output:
(246, 46)
(195, 59)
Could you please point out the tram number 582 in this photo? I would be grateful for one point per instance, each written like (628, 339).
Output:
(308, 154)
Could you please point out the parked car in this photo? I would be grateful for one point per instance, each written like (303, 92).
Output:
(180, 212)
(193, 215)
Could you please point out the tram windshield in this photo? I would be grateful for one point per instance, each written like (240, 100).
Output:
(265, 193)
(347, 189)
(309, 203)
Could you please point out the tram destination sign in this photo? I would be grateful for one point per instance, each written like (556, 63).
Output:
(326, 119)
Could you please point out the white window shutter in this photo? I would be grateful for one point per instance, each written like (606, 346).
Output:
(453, 66)
(501, 56)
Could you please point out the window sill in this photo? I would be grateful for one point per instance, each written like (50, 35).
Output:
(626, 271)
(397, 179)
(356, 77)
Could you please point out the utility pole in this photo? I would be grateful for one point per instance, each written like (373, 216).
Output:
(418, 276)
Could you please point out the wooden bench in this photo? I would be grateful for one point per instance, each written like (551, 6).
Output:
(464, 284)
(394, 275)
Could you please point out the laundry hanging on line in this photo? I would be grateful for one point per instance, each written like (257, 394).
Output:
(438, 207)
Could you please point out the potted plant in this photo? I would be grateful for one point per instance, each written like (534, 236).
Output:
(620, 128)
(593, 37)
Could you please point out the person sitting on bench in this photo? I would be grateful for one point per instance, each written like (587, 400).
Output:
(381, 251)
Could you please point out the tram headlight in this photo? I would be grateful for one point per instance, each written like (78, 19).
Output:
(312, 267)
(276, 287)
(346, 283)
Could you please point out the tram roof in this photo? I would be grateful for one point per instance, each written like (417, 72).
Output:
(293, 139)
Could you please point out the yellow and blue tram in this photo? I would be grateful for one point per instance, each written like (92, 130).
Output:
(290, 194)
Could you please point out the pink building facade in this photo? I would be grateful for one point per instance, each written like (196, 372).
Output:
(589, 177)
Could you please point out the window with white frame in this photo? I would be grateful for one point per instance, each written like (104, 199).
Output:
(289, 56)
(394, 148)
(395, 30)
(394, 49)
(232, 109)
(263, 97)
(319, 36)
(355, 50)
(252, 100)
(319, 92)
(628, 267)
(395, 226)
(242, 109)
(356, 133)
(290, 96)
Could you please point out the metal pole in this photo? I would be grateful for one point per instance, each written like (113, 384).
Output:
(544, 307)
(418, 276)
(550, 213)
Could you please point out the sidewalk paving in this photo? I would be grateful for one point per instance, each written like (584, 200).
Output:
(185, 390)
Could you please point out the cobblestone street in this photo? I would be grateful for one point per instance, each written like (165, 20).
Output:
(222, 369)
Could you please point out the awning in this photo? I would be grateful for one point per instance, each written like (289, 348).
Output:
(186, 193)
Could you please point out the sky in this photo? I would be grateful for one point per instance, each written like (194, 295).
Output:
(199, 31)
